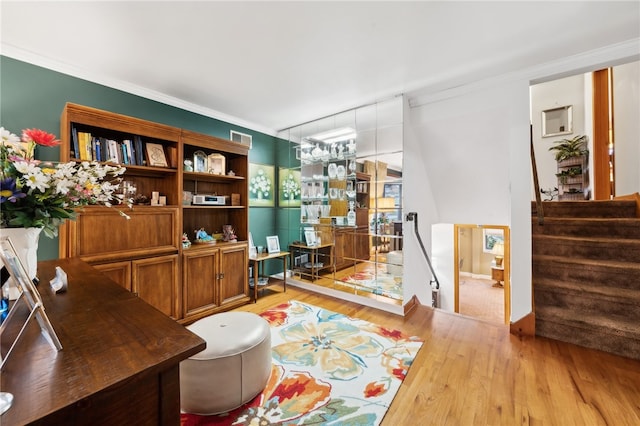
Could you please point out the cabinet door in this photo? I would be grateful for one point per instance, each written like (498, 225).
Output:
(234, 265)
(361, 243)
(199, 281)
(155, 280)
(119, 272)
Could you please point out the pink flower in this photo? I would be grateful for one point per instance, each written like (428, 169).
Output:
(40, 137)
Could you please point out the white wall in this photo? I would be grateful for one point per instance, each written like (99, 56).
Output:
(468, 158)
(553, 94)
(626, 125)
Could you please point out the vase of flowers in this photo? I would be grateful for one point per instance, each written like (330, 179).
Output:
(37, 196)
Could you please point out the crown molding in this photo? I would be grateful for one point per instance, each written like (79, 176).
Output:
(94, 77)
(615, 54)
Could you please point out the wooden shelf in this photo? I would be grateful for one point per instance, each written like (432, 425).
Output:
(137, 252)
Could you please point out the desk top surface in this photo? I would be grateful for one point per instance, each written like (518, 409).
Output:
(108, 336)
(266, 256)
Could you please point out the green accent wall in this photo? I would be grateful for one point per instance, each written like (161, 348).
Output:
(32, 96)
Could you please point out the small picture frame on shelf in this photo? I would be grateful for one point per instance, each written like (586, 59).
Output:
(199, 162)
(216, 163)
(273, 244)
(155, 155)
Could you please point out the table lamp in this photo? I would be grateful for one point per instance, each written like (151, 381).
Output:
(498, 250)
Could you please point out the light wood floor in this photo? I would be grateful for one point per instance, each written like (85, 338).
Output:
(472, 372)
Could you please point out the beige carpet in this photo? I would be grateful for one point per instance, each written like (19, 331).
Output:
(479, 299)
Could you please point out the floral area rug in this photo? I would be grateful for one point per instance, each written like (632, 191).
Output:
(328, 369)
(376, 280)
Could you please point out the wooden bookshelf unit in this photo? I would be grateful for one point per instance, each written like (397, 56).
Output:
(145, 254)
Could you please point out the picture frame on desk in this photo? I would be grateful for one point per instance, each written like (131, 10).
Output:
(310, 238)
(273, 244)
(155, 155)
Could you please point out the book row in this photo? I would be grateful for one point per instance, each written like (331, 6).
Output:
(134, 151)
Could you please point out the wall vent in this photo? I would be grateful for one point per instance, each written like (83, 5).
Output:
(242, 138)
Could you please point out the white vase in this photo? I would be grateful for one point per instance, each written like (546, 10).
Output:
(25, 241)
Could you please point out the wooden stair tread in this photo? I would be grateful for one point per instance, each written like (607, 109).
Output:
(587, 262)
(628, 295)
(568, 238)
(618, 324)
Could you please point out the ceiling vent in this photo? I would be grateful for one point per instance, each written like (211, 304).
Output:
(242, 138)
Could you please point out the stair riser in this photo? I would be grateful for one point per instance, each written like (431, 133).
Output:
(595, 338)
(623, 252)
(587, 209)
(585, 304)
(576, 228)
(588, 275)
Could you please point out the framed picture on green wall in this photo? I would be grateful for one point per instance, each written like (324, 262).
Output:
(261, 185)
(289, 189)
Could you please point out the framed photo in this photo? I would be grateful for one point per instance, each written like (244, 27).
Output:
(491, 237)
(155, 155)
(261, 185)
(26, 306)
(310, 238)
(200, 162)
(215, 164)
(253, 250)
(273, 244)
(289, 187)
(557, 121)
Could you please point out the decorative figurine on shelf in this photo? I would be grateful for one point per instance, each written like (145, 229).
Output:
(188, 166)
(203, 238)
(185, 241)
(229, 234)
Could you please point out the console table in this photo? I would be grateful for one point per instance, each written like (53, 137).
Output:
(119, 363)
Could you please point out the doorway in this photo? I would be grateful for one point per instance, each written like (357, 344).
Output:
(481, 276)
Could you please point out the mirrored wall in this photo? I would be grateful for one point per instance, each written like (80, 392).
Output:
(340, 209)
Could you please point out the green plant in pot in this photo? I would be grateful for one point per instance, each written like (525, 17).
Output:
(568, 148)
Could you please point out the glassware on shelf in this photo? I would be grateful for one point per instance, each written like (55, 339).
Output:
(351, 215)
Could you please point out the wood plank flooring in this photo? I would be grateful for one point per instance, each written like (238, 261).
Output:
(475, 373)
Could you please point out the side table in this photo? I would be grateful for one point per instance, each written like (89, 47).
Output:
(257, 263)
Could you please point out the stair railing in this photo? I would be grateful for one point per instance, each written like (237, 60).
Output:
(435, 290)
(536, 184)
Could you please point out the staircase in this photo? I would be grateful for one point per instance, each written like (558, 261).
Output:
(586, 274)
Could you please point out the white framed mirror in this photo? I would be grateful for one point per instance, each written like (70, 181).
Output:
(557, 121)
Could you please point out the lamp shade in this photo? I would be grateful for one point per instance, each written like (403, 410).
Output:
(498, 249)
(385, 203)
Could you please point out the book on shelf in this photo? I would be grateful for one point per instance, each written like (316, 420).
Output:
(113, 151)
(84, 146)
(139, 150)
(75, 151)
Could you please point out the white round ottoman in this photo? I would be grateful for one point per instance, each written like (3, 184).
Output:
(394, 263)
(234, 367)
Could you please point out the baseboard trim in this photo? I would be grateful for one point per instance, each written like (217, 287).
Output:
(525, 326)
(411, 305)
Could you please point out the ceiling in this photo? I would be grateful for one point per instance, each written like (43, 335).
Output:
(270, 65)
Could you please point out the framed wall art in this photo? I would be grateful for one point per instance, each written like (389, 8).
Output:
(557, 121)
(490, 237)
(261, 185)
(289, 187)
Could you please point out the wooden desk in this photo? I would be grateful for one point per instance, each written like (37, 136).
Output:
(258, 260)
(119, 363)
